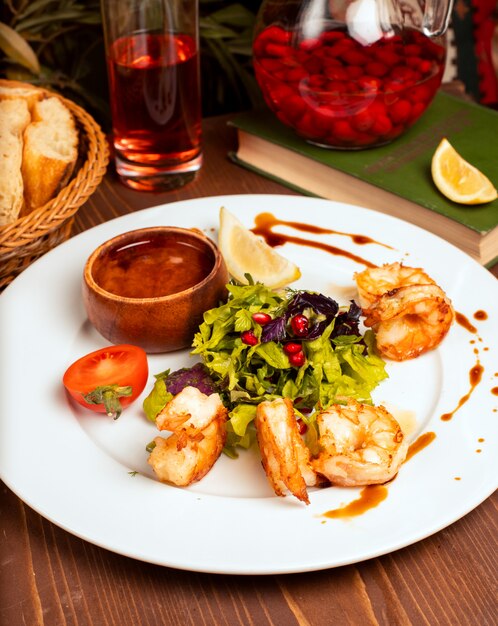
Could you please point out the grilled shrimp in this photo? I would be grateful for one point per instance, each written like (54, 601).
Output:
(374, 282)
(360, 445)
(198, 422)
(285, 457)
(189, 411)
(409, 313)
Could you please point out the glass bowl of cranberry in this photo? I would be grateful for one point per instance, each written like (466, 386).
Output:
(349, 74)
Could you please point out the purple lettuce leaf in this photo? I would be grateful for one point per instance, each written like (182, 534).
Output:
(274, 330)
(347, 322)
(316, 301)
(196, 376)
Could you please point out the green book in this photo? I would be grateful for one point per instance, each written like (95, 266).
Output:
(400, 171)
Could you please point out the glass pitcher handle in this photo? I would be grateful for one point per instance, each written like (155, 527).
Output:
(436, 17)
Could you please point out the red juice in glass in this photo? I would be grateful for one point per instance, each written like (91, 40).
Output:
(155, 105)
(336, 92)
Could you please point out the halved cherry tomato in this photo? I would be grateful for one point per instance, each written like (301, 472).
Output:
(108, 379)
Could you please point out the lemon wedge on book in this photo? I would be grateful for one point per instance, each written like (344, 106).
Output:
(458, 180)
(246, 253)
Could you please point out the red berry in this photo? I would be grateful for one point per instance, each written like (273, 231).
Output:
(412, 49)
(369, 83)
(421, 93)
(332, 35)
(292, 347)
(271, 65)
(295, 74)
(403, 74)
(343, 131)
(377, 69)
(278, 50)
(354, 57)
(381, 126)
(309, 44)
(336, 73)
(313, 65)
(261, 318)
(425, 67)
(322, 119)
(362, 121)
(297, 359)
(275, 33)
(387, 56)
(301, 426)
(417, 110)
(413, 62)
(400, 111)
(354, 71)
(249, 338)
(299, 325)
(316, 81)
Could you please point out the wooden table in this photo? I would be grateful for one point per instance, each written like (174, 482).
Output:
(52, 578)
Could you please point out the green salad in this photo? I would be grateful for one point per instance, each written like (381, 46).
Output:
(261, 345)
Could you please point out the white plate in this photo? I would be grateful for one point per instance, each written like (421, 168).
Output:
(76, 468)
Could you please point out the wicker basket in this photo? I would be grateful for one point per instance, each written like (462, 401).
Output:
(29, 237)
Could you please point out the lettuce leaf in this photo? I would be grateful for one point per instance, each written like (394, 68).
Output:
(157, 399)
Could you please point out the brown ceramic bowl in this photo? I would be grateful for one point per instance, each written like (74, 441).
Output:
(150, 287)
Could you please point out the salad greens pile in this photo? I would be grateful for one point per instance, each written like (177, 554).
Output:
(248, 348)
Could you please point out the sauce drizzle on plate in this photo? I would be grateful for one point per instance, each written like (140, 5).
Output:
(266, 221)
(475, 377)
(419, 444)
(370, 497)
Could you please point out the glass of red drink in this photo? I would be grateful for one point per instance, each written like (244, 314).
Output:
(350, 74)
(152, 50)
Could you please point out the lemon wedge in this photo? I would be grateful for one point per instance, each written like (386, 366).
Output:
(246, 253)
(458, 180)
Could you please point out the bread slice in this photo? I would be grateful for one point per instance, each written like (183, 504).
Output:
(13, 90)
(50, 152)
(14, 118)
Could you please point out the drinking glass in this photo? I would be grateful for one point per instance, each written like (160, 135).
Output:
(152, 50)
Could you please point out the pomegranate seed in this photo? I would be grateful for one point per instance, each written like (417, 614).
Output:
(261, 318)
(299, 324)
(297, 359)
(249, 338)
(302, 426)
(292, 347)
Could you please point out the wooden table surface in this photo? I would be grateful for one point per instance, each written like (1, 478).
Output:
(50, 577)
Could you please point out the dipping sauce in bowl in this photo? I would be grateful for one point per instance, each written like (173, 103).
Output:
(160, 264)
(150, 287)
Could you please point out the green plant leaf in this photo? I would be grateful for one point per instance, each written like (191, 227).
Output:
(234, 15)
(39, 21)
(35, 6)
(210, 29)
(18, 49)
